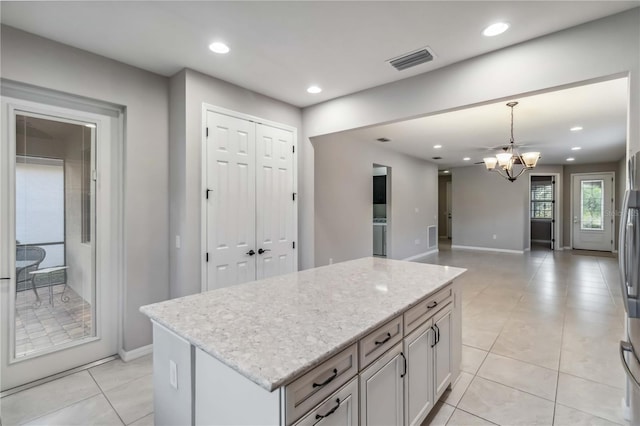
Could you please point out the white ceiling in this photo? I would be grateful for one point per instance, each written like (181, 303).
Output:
(541, 123)
(280, 48)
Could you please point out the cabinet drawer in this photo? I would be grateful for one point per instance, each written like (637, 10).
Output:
(379, 341)
(310, 389)
(340, 408)
(423, 310)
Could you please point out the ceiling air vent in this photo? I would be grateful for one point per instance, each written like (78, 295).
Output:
(383, 140)
(436, 158)
(412, 59)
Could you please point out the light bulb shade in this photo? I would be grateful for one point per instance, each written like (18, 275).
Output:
(530, 159)
(490, 162)
(504, 159)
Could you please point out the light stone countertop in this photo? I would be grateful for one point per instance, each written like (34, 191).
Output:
(272, 331)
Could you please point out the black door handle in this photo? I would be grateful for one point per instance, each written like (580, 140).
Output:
(261, 250)
(335, 374)
(437, 333)
(386, 339)
(251, 252)
(328, 413)
(405, 365)
(431, 306)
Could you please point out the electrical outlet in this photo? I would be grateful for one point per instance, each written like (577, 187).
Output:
(495, 237)
(178, 242)
(417, 241)
(417, 210)
(331, 261)
(173, 374)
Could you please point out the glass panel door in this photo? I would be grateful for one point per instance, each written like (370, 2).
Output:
(55, 295)
(592, 204)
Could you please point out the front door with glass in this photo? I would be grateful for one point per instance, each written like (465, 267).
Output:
(592, 208)
(58, 309)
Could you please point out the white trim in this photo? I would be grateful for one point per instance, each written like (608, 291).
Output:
(567, 248)
(421, 255)
(203, 180)
(127, 356)
(456, 247)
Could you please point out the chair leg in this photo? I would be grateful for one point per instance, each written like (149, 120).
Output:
(33, 287)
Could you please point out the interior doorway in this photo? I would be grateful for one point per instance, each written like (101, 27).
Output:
(381, 209)
(445, 213)
(543, 211)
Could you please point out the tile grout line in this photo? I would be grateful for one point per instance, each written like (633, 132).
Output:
(107, 398)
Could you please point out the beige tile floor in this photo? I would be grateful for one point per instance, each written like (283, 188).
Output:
(540, 335)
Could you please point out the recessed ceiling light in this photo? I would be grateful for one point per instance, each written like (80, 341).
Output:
(466, 159)
(90, 125)
(314, 89)
(576, 128)
(570, 159)
(437, 146)
(446, 171)
(576, 148)
(495, 29)
(219, 47)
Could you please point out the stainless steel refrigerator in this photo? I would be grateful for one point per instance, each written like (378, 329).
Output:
(629, 253)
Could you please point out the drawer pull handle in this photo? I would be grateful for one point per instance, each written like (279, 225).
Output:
(326, 382)
(433, 305)
(327, 414)
(386, 339)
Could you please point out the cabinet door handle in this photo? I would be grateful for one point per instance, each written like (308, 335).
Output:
(335, 374)
(386, 339)
(434, 337)
(328, 413)
(437, 333)
(433, 305)
(405, 365)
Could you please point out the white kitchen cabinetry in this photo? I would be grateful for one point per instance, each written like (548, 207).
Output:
(340, 409)
(419, 383)
(381, 390)
(442, 350)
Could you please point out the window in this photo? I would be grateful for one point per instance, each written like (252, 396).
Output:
(591, 204)
(542, 199)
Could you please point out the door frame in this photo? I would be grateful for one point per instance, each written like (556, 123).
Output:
(42, 101)
(557, 210)
(203, 180)
(613, 205)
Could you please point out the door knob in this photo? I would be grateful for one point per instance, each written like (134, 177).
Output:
(260, 251)
(251, 252)
(575, 219)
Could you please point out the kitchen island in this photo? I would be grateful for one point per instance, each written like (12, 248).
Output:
(369, 341)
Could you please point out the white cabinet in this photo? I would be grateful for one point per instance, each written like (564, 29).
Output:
(418, 383)
(442, 351)
(340, 409)
(381, 390)
(249, 200)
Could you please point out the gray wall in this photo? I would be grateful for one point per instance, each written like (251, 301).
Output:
(343, 185)
(556, 60)
(41, 62)
(566, 201)
(191, 89)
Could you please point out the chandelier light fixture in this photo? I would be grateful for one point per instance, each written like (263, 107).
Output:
(504, 162)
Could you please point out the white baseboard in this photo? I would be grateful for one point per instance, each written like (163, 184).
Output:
(487, 249)
(421, 255)
(127, 356)
(567, 248)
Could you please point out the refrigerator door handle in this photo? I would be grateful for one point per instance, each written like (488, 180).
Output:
(624, 249)
(628, 347)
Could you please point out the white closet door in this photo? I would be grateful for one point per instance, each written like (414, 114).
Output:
(231, 212)
(275, 204)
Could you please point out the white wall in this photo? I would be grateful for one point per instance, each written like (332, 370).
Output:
(186, 156)
(343, 200)
(610, 46)
(34, 60)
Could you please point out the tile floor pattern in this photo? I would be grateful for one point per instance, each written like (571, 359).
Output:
(540, 334)
(42, 326)
(114, 393)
